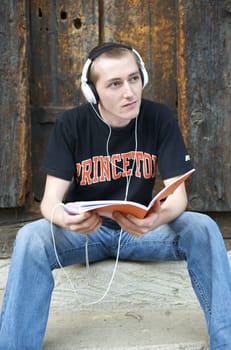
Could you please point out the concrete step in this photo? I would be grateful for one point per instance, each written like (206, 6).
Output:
(149, 306)
(130, 328)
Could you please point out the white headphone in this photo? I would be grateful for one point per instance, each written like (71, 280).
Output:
(88, 88)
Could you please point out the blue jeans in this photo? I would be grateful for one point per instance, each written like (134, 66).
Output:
(193, 237)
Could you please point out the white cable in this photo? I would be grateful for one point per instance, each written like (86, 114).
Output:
(128, 179)
(54, 245)
(66, 274)
(87, 258)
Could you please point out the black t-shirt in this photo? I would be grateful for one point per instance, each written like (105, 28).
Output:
(77, 151)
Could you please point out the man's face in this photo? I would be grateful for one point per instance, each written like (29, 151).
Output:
(119, 87)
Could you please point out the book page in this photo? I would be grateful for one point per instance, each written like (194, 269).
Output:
(105, 207)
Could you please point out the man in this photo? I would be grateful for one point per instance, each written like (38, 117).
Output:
(109, 149)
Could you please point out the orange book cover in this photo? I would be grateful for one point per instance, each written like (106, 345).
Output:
(107, 207)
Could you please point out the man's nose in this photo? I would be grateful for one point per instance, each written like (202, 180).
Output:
(127, 89)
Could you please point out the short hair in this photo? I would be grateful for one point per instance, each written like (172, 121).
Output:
(110, 50)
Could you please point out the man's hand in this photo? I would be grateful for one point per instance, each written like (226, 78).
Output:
(55, 190)
(162, 214)
(82, 223)
(137, 227)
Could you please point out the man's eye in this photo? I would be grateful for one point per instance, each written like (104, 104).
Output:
(135, 78)
(115, 84)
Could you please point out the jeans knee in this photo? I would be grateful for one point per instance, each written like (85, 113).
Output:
(33, 236)
(201, 232)
(206, 229)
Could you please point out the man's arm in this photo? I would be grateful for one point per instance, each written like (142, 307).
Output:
(51, 208)
(171, 208)
(174, 205)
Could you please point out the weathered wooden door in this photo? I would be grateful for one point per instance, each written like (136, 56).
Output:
(15, 171)
(186, 46)
(61, 37)
(204, 66)
(61, 33)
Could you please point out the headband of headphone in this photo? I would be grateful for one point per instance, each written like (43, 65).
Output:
(88, 87)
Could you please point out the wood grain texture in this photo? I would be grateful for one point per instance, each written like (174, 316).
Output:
(62, 34)
(14, 115)
(204, 99)
(186, 48)
(150, 27)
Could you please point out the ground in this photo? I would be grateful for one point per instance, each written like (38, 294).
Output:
(150, 306)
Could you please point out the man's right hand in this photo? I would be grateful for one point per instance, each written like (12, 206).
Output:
(82, 223)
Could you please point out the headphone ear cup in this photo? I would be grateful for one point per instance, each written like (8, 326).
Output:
(144, 75)
(93, 91)
(88, 89)
(143, 71)
(88, 93)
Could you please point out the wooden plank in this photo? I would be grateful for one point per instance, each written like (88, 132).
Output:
(62, 34)
(14, 116)
(204, 99)
(150, 27)
(11, 220)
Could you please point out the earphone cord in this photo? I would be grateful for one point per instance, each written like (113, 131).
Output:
(73, 288)
(128, 180)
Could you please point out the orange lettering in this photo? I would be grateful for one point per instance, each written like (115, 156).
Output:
(78, 169)
(138, 156)
(86, 172)
(105, 174)
(115, 175)
(126, 157)
(95, 161)
(147, 166)
(154, 160)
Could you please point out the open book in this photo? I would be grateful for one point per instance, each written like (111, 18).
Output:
(106, 207)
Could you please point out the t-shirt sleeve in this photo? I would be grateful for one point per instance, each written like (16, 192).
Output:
(59, 157)
(173, 157)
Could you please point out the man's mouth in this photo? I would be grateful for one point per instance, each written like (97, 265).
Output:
(130, 104)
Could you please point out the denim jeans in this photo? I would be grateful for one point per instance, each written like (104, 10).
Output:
(193, 237)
